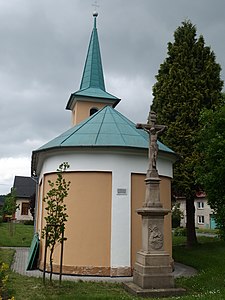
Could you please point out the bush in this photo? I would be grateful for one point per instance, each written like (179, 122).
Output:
(175, 222)
(4, 294)
(177, 215)
(180, 231)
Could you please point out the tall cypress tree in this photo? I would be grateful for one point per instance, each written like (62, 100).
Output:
(187, 81)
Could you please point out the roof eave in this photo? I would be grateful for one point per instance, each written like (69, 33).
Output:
(74, 98)
(172, 156)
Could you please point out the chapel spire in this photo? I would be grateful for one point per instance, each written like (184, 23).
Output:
(92, 86)
(93, 73)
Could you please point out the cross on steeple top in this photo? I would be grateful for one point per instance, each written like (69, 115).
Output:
(96, 5)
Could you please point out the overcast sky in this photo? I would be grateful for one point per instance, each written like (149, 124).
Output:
(43, 45)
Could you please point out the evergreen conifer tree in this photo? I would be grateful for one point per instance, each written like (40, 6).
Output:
(187, 81)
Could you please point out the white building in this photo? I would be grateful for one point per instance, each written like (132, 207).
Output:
(203, 213)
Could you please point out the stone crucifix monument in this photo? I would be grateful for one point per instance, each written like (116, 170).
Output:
(152, 274)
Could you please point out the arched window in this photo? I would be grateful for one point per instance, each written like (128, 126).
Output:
(93, 110)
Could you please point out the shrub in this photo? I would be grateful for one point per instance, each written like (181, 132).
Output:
(3, 282)
(180, 231)
(177, 215)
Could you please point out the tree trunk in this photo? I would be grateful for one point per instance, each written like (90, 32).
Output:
(190, 225)
(51, 263)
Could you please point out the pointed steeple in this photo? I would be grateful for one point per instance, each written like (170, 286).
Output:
(93, 72)
(92, 83)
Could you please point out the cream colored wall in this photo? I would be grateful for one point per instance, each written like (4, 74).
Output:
(165, 195)
(81, 110)
(137, 198)
(88, 228)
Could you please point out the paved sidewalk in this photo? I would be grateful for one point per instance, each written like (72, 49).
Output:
(21, 257)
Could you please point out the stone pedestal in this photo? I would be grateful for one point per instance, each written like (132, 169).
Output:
(153, 293)
(152, 274)
(152, 269)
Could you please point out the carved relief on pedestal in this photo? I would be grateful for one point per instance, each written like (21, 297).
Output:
(155, 238)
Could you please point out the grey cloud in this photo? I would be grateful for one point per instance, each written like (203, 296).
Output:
(43, 49)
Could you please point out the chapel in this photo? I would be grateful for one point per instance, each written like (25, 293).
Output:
(108, 158)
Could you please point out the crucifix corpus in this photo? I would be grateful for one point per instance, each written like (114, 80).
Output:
(154, 130)
(152, 197)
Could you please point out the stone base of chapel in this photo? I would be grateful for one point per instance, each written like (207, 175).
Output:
(89, 270)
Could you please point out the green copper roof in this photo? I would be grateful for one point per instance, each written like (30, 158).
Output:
(106, 128)
(95, 92)
(93, 73)
(92, 82)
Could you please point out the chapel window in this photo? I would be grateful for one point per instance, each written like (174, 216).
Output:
(93, 110)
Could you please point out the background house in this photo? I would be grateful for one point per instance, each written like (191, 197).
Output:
(24, 189)
(203, 213)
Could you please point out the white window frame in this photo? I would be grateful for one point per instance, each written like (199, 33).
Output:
(200, 205)
(201, 220)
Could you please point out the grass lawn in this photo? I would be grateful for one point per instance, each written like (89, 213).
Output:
(19, 235)
(208, 257)
(207, 230)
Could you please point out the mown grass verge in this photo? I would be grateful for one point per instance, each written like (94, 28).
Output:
(15, 235)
